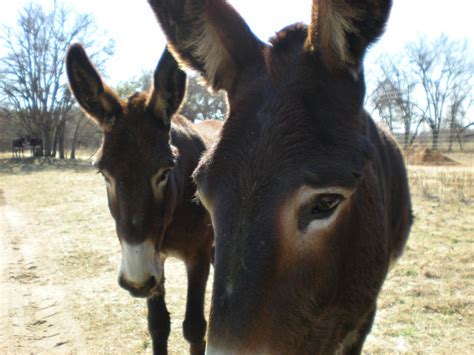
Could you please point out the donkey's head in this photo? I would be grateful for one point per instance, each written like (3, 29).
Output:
(136, 160)
(290, 186)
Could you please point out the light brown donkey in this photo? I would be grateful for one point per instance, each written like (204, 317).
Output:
(309, 198)
(147, 157)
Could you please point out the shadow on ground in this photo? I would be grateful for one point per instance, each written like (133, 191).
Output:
(35, 164)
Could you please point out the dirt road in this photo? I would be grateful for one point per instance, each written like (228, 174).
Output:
(34, 314)
(58, 264)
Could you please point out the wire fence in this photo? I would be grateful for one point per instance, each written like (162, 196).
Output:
(447, 142)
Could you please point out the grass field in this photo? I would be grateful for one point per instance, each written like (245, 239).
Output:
(60, 257)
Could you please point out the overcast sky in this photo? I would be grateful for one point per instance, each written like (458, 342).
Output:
(139, 41)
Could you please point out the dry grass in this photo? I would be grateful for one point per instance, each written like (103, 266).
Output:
(427, 303)
(448, 184)
(426, 306)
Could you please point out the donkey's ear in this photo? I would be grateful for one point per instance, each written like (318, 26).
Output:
(341, 30)
(99, 101)
(169, 87)
(210, 37)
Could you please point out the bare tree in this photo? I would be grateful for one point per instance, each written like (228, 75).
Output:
(457, 113)
(445, 71)
(382, 100)
(81, 131)
(394, 97)
(33, 87)
(431, 83)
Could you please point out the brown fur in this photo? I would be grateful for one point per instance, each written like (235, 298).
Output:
(194, 30)
(285, 282)
(342, 30)
(143, 136)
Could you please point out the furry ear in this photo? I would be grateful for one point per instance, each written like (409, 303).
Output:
(210, 37)
(169, 87)
(96, 99)
(342, 30)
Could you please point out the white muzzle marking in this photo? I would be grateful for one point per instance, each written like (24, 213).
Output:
(139, 263)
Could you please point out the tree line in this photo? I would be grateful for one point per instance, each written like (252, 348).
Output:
(34, 95)
(429, 84)
(200, 104)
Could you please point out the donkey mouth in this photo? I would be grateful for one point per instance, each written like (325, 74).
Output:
(147, 290)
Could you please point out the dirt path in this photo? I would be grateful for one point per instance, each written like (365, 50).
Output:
(58, 271)
(32, 310)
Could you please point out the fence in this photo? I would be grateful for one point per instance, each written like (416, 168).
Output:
(446, 142)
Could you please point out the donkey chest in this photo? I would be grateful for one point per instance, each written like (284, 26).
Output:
(188, 230)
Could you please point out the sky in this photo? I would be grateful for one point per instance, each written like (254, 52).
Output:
(139, 41)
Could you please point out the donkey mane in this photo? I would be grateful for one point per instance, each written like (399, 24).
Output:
(137, 101)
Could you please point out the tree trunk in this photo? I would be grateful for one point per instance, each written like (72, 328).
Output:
(406, 138)
(60, 137)
(390, 125)
(450, 143)
(55, 142)
(451, 137)
(452, 127)
(54, 147)
(435, 139)
(75, 138)
(459, 139)
(47, 145)
(72, 156)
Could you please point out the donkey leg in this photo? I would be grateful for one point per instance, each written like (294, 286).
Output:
(194, 325)
(159, 322)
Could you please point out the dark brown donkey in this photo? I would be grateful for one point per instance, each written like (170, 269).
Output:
(309, 198)
(18, 147)
(147, 157)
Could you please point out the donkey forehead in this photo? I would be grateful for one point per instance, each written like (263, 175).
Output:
(264, 152)
(291, 117)
(136, 116)
(134, 145)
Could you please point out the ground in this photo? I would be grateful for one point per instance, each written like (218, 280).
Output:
(60, 256)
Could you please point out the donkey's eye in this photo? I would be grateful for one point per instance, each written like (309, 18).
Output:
(325, 205)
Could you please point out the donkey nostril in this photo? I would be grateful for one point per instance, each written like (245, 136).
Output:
(151, 283)
(122, 283)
